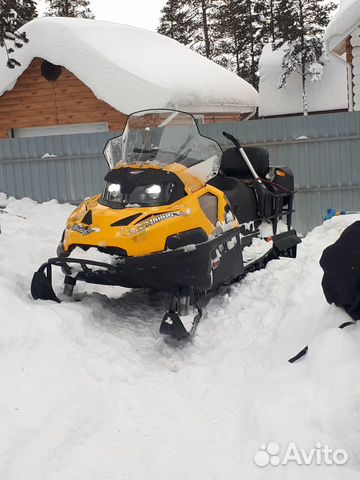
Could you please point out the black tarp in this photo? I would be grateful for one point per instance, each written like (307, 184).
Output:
(341, 264)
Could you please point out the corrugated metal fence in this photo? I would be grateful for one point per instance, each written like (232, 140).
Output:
(65, 167)
(322, 150)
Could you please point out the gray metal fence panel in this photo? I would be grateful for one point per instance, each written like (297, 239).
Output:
(66, 167)
(322, 150)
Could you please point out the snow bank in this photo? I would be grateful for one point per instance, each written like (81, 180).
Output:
(330, 93)
(130, 68)
(90, 391)
(345, 21)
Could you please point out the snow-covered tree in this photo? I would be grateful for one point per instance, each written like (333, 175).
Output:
(13, 15)
(233, 32)
(302, 24)
(69, 8)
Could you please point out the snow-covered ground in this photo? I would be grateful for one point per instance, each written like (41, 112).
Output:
(90, 391)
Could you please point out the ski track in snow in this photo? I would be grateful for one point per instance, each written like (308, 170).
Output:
(90, 391)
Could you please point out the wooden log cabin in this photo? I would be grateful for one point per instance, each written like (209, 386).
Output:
(48, 99)
(74, 78)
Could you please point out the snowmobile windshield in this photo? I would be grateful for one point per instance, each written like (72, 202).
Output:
(163, 137)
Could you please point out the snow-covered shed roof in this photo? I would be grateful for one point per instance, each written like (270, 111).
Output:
(131, 68)
(330, 93)
(345, 21)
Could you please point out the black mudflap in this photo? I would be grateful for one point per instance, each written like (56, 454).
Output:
(41, 288)
(285, 244)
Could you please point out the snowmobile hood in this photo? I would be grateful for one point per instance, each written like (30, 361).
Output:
(137, 231)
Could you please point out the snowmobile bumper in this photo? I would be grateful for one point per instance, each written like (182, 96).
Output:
(203, 267)
(169, 271)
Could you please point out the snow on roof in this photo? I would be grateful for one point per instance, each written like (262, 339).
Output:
(345, 21)
(330, 93)
(131, 68)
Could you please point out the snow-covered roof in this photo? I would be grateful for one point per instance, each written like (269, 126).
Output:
(131, 68)
(330, 93)
(345, 21)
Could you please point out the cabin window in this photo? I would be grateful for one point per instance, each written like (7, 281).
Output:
(60, 130)
(50, 71)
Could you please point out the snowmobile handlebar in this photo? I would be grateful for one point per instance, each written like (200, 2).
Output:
(232, 139)
(244, 155)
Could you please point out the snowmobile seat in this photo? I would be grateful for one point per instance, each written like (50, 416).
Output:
(240, 196)
(233, 165)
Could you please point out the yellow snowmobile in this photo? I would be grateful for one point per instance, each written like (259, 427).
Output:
(177, 214)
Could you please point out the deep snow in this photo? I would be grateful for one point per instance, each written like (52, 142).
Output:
(90, 391)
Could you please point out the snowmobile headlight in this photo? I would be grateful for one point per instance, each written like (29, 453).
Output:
(151, 194)
(114, 189)
(113, 193)
(140, 195)
(154, 191)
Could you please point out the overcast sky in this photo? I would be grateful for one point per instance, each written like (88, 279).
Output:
(141, 13)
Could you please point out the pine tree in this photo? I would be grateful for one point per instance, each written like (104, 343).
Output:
(302, 24)
(253, 36)
(231, 52)
(205, 10)
(177, 22)
(268, 12)
(190, 22)
(230, 43)
(13, 15)
(238, 34)
(69, 8)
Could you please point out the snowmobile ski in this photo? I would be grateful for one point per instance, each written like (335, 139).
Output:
(173, 326)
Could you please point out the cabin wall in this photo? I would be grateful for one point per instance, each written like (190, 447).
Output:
(355, 43)
(37, 102)
(348, 51)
